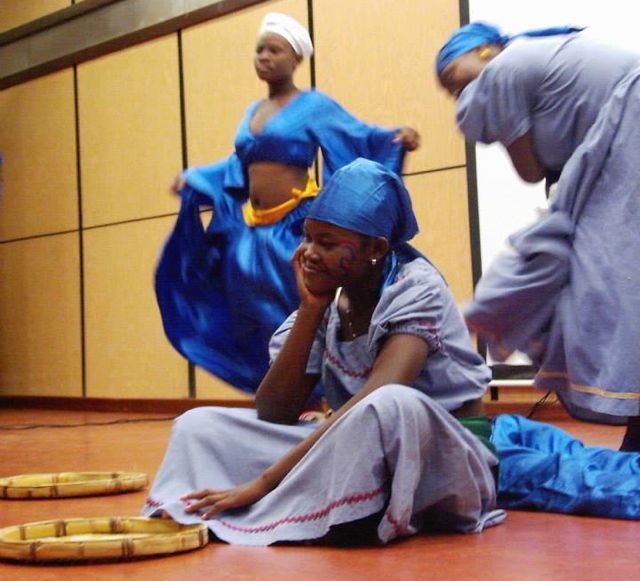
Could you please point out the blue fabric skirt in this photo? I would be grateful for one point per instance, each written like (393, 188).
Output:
(223, 291)
(544, 468)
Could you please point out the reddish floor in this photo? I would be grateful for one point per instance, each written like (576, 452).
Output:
(529, 546)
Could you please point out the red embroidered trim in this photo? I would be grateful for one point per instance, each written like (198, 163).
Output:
(358, 374)
(394, 523)
(353, 499)
(426, 324)
(153, 503)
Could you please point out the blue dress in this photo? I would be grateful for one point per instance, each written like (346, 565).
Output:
(544, 468)
(566, 292)
(223, 290)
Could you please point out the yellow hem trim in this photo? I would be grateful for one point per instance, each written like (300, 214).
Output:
(588, 388)
(256, 217)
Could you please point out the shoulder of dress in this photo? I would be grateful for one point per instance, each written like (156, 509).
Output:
(254, 104)
(318, 96)
(417, 265)
(417, 272)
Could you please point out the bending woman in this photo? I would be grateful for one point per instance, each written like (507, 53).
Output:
(567, 291)
(223, 291)
(405, 450)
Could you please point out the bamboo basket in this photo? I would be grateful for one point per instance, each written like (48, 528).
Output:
(110, 538)
(71, 484)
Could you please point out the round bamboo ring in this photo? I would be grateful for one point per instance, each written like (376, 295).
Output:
(71, 484)
(84, 539)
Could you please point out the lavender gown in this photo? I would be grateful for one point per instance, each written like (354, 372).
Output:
(398, 452)
(566, 292)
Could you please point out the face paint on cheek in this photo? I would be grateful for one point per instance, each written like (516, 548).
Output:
(348, 257)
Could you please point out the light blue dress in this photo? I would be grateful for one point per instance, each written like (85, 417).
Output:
(223, 290)
(398, 453)
(566, 292)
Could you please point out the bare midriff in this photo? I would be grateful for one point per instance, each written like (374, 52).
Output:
(270, 183)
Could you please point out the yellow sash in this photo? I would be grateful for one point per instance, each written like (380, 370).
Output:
(256, 217)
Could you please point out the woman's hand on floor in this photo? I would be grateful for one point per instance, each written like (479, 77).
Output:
(314, 416)
(215, 501)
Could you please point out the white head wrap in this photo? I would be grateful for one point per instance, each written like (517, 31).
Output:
(290, 29)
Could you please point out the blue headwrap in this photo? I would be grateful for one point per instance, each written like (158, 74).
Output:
(366, 197)
(477, 34)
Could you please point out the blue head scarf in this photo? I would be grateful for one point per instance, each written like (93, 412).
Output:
(366, 197)
(478, 34)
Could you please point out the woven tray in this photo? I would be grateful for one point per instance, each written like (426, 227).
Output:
(71, 484)
(80, 539)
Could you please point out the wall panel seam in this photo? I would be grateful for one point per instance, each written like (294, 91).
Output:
(434, 170)
(83, 352)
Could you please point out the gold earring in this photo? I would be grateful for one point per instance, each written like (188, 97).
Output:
(484, 53)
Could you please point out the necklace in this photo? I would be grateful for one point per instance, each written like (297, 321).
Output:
(347, 313)
(347, 316)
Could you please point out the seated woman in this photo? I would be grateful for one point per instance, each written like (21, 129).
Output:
(406, 448)
(223, 291)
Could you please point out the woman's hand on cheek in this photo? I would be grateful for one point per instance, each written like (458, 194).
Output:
(296, 262)
(307, 296)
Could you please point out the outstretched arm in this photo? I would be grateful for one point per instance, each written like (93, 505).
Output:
(399, 361)
(342, 137)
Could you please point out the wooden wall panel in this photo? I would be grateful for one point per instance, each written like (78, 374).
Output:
(211, 387)
(130, 146)
(16, 12)
(40, 350)
(220, 79)
(440, 203)
(381, 67)
(37, 137)
(373, 56)
(126, 349)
